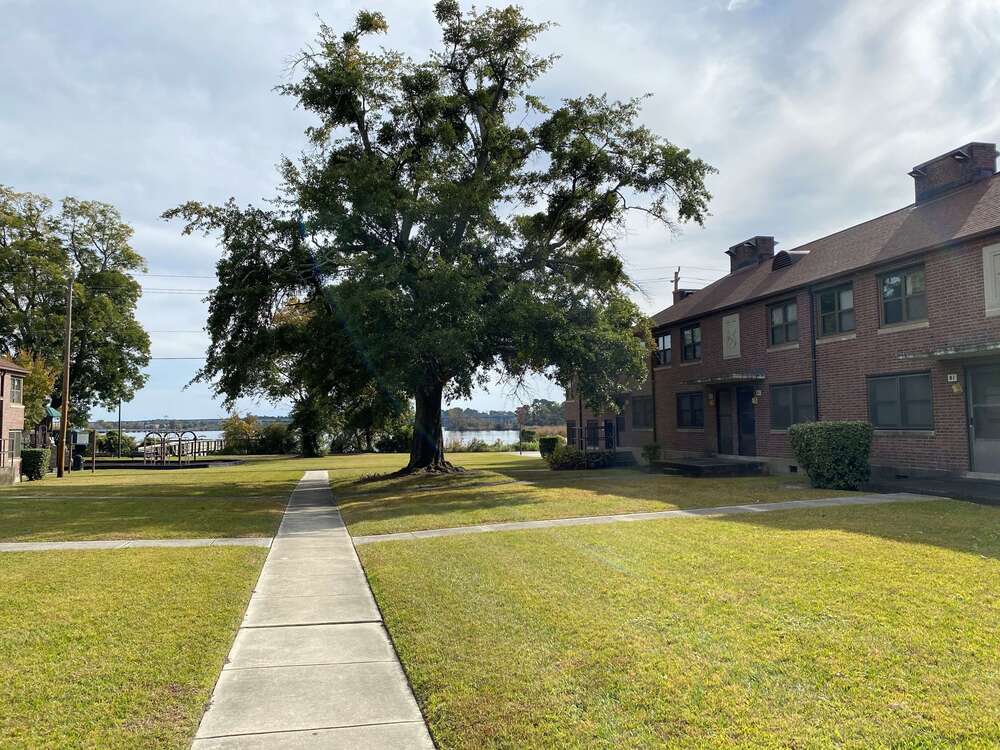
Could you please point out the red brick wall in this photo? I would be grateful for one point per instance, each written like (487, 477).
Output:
(11, 418)
(956, 315)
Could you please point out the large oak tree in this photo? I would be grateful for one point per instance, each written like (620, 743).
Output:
(452, 223)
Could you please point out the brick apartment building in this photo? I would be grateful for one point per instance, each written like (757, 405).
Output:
(895, 321)
(11, 420)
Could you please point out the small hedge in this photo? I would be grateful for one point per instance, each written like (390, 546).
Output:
(651, 452)
(35, 462)
(836, 455)
(548, 443)
(566, 457)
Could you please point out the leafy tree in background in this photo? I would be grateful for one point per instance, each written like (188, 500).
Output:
(453, 223)
(38, 385)
(240, 434)
(39, 246)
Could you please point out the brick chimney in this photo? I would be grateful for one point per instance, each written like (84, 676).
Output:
(751, 252)
(680, 294)
(961, 166)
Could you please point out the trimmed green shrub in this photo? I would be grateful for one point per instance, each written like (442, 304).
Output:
(566, 457)
(528, 436)
(35, 463)
(600, 459)
(836, 455)
(548, 443)
(651, 452)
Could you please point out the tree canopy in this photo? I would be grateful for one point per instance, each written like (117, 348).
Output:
(446, 223)
(39, 246)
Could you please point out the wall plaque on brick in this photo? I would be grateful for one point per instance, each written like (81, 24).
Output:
(731, 336)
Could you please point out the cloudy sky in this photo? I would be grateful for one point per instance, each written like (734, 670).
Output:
(812, 112)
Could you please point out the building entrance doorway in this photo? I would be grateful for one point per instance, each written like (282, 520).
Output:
(736, 420)
(984, 418)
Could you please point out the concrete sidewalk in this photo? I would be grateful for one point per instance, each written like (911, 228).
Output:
(722, 510)
(312, 665)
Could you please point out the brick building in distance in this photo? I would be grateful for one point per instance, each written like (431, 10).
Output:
(11, 420)
(895, 321)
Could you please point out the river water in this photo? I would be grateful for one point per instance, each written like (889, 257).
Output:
(450, 437)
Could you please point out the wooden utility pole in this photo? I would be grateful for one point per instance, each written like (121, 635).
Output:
(64, 416)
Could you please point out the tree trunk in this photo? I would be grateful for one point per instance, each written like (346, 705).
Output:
(427, 450)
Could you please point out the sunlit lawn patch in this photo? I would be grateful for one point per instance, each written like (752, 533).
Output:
(115, 649)
(854, 627)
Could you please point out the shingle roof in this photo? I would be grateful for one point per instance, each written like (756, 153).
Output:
(11, 366)
(966, 212)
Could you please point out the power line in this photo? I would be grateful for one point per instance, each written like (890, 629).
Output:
(173, 275)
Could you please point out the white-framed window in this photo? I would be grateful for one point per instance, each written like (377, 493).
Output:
(664, 349)
(16, 390)
(991, 279)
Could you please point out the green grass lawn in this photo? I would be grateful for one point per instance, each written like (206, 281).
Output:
(115, 649)
(245, 500)
(854, 627)
(504, 487)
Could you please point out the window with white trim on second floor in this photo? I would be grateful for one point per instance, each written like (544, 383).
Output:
(664, 349)
(784, 322)
(16, 390)
(835, 310)
(903, 295)
(691, 343)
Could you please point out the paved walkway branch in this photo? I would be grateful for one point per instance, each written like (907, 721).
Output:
(312, 665)
(724, 510)
(242, 541)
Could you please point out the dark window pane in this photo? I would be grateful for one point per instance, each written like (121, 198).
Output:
(828, 324)
(916, 387)
(803, 411)
(781, 409)
(987, 422)
(778, 335)
(847, 320)
(892, 287)
(884, 398)
(827, 302)
(892, 312)
(918, 415)
(792, 332)
(916, 307)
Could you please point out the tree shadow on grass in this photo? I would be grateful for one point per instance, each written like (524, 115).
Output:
(949, 524)
(472, 499)
(82, 519)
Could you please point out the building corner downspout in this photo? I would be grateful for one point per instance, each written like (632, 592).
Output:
(652, 385)
(812, 346)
